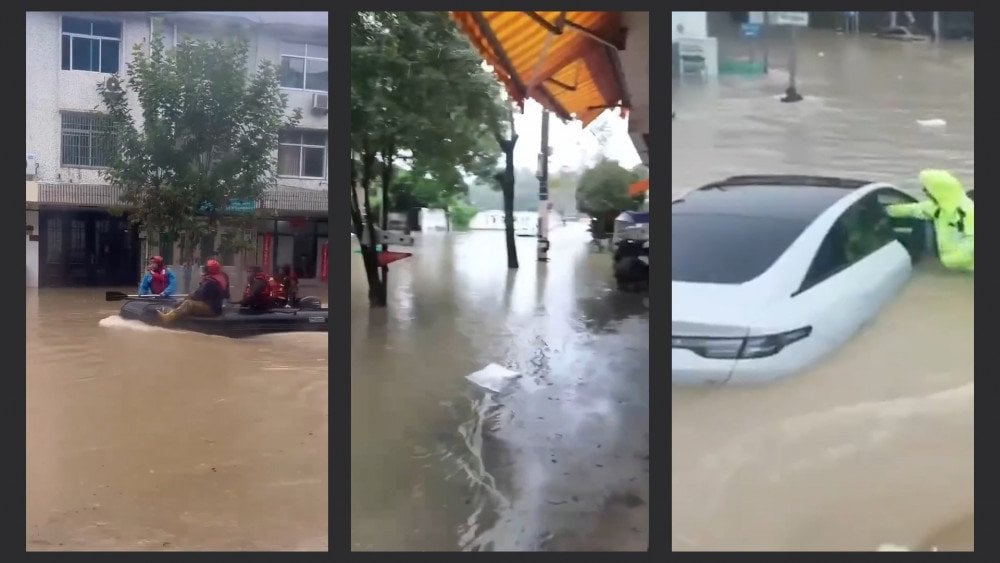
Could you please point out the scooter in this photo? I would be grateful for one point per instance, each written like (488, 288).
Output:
(631, 265)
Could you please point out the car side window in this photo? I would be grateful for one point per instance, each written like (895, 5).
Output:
(861, 230)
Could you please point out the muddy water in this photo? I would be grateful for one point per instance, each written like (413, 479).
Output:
(140, 438)
(875, 445)
(554, 459)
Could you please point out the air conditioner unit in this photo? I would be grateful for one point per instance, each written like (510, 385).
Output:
(321, 101)
(30, 164)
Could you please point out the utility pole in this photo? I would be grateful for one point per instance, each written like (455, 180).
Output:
(543, 192)
(792, 93)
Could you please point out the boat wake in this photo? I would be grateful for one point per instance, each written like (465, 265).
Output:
(116, 322)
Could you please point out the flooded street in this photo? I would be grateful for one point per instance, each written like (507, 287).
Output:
(555, 459)
(874, 445)
(139, 438)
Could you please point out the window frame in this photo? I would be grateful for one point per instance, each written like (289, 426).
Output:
(92, 132)
(301, 145)
(93, 37)
(807, 283)
(305, 65)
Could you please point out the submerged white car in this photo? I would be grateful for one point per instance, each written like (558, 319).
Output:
(771, 273)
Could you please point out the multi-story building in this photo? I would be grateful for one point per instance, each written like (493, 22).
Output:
(72, 237)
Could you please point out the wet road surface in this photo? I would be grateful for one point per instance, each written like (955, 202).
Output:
(875, 444)
(140, 438)
(557, 459)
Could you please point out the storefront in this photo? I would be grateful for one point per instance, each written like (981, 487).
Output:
(298, 242)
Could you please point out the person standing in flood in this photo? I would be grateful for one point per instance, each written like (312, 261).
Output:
(951, 212)
(159, 280)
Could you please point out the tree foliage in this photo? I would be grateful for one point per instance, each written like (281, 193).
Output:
(418, 93)
(207, 135)
(603, 190)
(418, 86)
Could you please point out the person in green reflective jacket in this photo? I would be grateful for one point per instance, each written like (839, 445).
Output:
(952, 214)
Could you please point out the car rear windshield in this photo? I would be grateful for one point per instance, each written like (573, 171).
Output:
(727, 249)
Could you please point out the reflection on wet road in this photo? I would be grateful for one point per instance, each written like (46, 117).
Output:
(140, 438)
(557, 458)
(874, 445)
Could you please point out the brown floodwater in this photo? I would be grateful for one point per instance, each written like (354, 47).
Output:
(556, 459)
(874, 445)
(140, 438)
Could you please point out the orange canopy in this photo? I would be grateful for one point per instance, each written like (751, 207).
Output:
(566, 61)
(639, 187)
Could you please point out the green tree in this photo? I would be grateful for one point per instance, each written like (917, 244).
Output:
(209, 135)
(461, 214)
(603, 193)
(418, 92)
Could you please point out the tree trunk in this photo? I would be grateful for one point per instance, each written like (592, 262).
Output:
(388, 155)
(376, 294)
(507, 184)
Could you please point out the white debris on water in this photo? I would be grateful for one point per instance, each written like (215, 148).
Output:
(932, 122)
(493, 377)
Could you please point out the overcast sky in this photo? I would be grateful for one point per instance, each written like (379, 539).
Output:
(305, 18)
(572, 146)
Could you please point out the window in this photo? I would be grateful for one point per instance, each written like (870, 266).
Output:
(305, 67)
(863, 229)
(730, 249)
(87, 140)
(54, 241)
(91, 45)
(302, 154)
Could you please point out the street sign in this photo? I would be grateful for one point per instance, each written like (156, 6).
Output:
(242, 205)
(750, 30)
(235, 206)
(798, 19)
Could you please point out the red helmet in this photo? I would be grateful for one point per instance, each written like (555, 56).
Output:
(213, 267)
(158, 260)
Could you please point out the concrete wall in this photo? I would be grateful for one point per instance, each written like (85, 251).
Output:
(50, 89)
(635, 67)
(695, 24)
(31, 250)
(268, 47)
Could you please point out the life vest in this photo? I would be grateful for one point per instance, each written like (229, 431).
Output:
(158, 280)
(266, 296)
(277, 289)
(220, 280)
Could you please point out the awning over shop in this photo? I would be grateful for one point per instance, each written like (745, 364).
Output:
(280, 198)
(566, 61)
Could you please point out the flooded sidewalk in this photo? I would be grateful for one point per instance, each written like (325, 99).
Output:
(554, 458)
(139, 438)
(873, 445)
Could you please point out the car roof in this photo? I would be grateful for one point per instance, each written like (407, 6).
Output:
(782, 197)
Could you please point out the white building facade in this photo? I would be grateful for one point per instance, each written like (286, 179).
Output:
(71, 237)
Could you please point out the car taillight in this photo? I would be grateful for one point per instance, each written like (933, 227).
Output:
(739, 348)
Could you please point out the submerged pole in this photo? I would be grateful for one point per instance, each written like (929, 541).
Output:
(543, 192)
(792, 93)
